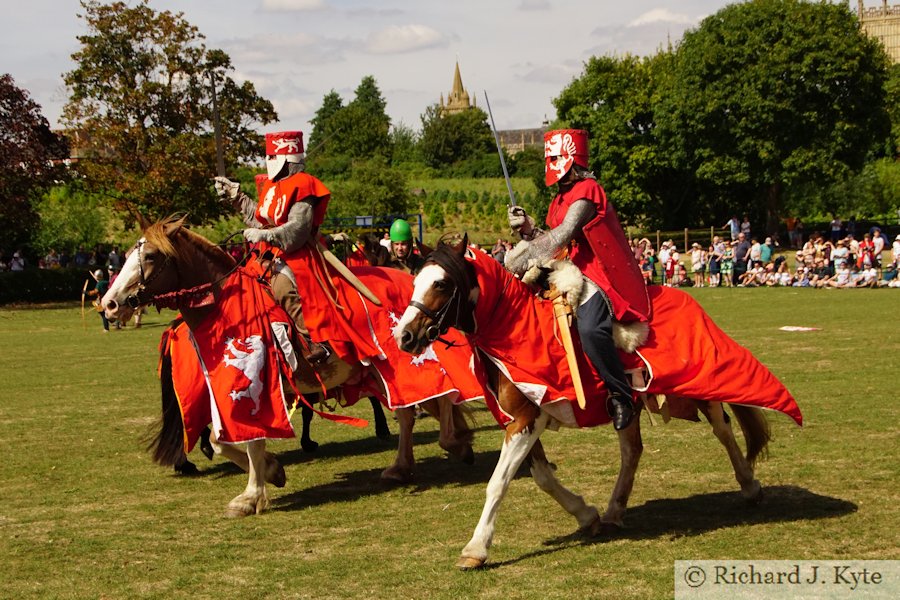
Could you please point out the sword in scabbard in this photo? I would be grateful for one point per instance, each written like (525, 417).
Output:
(563, 313)
(346, 273)
(512, 195)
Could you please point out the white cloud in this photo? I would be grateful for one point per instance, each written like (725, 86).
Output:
(560, 73)
(295, 48)
(398, 39)
(661, 15)
(534, 5)
(292, 5)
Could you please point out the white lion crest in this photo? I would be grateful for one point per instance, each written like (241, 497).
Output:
(249, 357)
(292, 145)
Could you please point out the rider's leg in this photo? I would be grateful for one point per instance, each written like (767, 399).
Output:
(285, 292)
(595, 329)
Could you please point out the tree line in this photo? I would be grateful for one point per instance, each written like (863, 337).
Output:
(769, 108)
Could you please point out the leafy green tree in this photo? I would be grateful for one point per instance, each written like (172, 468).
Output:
(405, 145)
(28, 150)
(322, 127)
(373, 188)
(451, 139)
(70, 218)
(615, 100)
(141, 109)
(892, 94)
(359, 130)
(770, 95)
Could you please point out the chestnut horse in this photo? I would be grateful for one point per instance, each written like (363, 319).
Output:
(465, 288)
(170, 261)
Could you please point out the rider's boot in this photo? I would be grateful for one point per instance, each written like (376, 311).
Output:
(286, 294)
(621, 409)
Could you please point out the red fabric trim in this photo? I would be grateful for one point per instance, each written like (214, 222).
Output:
(277, 197)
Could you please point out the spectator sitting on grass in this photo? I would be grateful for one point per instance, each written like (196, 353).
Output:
(842, 278)
(869, 277)
(801, 279)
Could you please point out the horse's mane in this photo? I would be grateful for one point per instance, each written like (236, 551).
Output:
(159, 234)
(446, 255)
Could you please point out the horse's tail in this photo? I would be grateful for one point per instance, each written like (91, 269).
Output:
(166, 444)
(757, 433)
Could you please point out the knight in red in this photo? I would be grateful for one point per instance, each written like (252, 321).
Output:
(287, 217)
(583, 222)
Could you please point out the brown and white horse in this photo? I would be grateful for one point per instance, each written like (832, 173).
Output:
(467, 289)
(171, 261)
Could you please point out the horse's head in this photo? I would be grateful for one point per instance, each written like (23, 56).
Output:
(149, 269)
(444, 295)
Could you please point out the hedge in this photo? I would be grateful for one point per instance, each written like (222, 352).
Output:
(42, 285)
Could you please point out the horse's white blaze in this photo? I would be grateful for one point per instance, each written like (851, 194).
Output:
(129, 277)
(423, 282)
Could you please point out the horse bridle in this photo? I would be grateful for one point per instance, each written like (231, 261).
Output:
(134, 300)
(437, 328)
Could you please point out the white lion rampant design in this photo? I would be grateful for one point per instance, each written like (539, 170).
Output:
(292, 144)
(249, 357)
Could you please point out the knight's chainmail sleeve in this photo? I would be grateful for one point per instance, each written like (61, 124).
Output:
(247, 207)
(296, 232)
(546, 244)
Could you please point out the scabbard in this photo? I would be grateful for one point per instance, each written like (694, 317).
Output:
(562, 311)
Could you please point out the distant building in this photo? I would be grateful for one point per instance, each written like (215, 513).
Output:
(458, 98)
(516, 140)
(512, 140)
(882, 22)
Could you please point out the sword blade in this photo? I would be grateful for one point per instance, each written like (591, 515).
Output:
(512, 196)
(217, 129)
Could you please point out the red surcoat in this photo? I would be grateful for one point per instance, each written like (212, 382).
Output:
(602, 252)
(277, 197)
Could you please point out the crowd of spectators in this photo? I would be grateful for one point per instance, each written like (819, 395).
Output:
(99, 256)
(841, 262)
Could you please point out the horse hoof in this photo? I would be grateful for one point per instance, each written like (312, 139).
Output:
(466, 563)
(601, 528)
(309, 445)
(396, 475)
(237, 512)
(468, 456)
(383, 433)
(754, 496)
(279, 478)
(205, 446)
(187, 468)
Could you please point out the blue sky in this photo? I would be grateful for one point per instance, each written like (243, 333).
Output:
(523, 52)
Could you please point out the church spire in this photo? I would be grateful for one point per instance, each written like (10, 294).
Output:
(458, 98)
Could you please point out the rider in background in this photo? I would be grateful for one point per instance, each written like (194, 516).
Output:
(287, 217)
(582, 220)
(402, 255)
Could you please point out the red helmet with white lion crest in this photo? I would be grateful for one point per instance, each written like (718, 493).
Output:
(562, 149)
(283, 147)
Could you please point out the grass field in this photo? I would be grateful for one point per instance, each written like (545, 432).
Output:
(85, 514)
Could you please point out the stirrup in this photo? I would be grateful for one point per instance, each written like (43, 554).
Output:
(318, 353)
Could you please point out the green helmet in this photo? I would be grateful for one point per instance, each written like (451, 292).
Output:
(401, 231)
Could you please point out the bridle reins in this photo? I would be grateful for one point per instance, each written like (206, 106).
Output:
(134, 300)
(437, 328)
(439, 322)
(169, 299)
